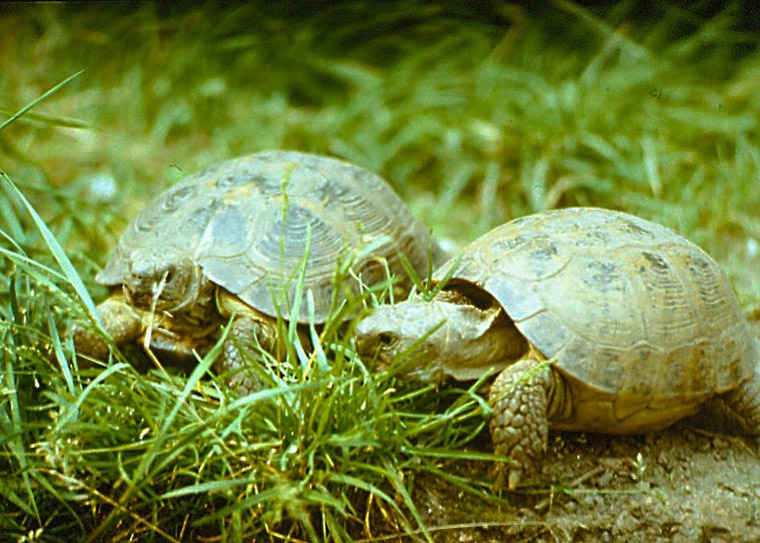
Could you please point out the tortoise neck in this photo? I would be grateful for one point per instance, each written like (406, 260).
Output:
(474, 340)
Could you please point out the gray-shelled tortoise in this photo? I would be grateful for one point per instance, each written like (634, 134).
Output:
(232, 239)
(594, 320)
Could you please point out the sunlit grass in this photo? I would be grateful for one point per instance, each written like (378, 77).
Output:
(475, 120)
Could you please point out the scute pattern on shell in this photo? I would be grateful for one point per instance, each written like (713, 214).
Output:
(624, 305)
(250, 222)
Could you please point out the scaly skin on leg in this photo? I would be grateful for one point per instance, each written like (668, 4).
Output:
(122, 322)
(519, 425)
(127, 326)
(244, 332)
(744, 402)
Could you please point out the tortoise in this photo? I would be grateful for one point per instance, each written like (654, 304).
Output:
(233, 239)
(594, 320)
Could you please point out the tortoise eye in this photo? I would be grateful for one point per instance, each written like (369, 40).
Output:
(170, 274)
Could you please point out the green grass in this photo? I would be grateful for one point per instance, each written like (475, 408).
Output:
(474, 120)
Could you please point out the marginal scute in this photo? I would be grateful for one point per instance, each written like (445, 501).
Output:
(549, 331)
(521, 297)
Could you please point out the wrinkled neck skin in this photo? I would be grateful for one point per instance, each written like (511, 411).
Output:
(467, 341)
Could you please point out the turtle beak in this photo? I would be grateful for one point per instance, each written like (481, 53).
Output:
(136, 292)
(372, 353)
(373, 343)
(169, 288)
(365, 346)
(365, 336)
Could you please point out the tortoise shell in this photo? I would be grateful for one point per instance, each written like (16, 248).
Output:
(252, 223)
(622, 305)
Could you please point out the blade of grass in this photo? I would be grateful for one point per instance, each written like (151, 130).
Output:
(204, 488)
(47, 119)
(58, 253)
(13, 425)
(31, 264)
(36, 101)
(59, 354)
(8, 494)
(72, 412)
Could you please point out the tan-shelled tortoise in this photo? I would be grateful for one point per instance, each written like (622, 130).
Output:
(594, 320)
(235, 237)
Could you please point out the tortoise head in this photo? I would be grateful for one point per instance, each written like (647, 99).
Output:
(438, 338)
(176, 283)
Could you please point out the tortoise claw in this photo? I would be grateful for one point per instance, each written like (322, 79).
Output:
(508, 475)
(513, 478)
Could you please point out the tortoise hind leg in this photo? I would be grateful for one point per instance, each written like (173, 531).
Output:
(519, 424)
(744, 402)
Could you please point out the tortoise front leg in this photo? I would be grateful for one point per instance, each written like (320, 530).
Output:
(252, 338)
(519, 425)
(122, 322)
(233, 362)
(127, 326)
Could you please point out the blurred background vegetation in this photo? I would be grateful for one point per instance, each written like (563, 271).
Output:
(476, 113)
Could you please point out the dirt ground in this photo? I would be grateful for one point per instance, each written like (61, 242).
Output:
(682, 484)
(697, 481)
